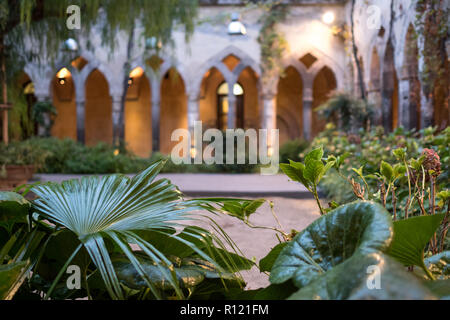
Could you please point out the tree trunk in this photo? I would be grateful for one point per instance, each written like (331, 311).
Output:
(362, 86)
(119, 134)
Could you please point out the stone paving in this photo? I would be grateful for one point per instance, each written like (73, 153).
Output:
(220, 184)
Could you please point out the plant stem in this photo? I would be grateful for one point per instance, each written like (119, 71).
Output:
(429, 274)
(394, 203)
(55, 282)
(409, 189)
(316, 196)
(285, 235)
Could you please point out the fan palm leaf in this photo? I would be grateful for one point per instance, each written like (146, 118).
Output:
(116, 207)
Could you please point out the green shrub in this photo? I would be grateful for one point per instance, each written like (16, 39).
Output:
(370, 149)
(292, 149)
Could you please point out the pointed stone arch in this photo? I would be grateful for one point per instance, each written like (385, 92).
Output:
(389, 92)
(98, 122)
(173, 102)
(289, 105)
(138, 122)
(324, 84)
(63, 93)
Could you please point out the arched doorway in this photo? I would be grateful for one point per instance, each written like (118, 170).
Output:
(98, 113)
(411, 67)
(290, 105)
(390, 91)
(324, 83)
(208, 102)
(138, 131)
(173, 108)
(373, 92)
(248, 116)
(223, 106)
(63, 89)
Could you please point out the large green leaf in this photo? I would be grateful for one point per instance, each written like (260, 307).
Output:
(411, 237)
(13, 209)
(114, 208)
(189, 273)
(266, 263)
(356, 278)
(11, 276)
(357, 228)
(295, 171)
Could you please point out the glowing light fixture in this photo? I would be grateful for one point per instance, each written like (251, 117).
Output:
(62, 75)
(70, 45)
(236, 27)
(136, 72)
(328, 17)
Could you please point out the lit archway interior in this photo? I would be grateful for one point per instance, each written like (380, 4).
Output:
(98, 110)
(138, 129)
(249, 117)
(390, 91)
(209, 98)
(290, 105)
(223, 106)
(63, 89)
(173, 113)
(324, 84)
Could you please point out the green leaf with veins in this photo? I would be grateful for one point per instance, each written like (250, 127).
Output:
(359, 227)
(411, 237)
(356, 279)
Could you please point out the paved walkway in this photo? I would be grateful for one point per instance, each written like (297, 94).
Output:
(238, 185)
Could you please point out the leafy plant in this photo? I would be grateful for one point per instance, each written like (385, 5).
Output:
(310, 172)
(42, 111)
(347, 111)
(124, 234)
(336, 257)
(20, 248)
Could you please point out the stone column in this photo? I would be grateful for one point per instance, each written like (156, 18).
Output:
(231, 107)
(193, 113)
(81, 116)
(307, 113)
(404, 105)
(116, 105)
(80, 101)
(374, 98)
(156, 113)
(269, 114)
(42, 129)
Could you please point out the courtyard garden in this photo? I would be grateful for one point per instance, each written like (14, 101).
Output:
(95, 204)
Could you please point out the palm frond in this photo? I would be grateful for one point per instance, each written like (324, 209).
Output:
(114, 208)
